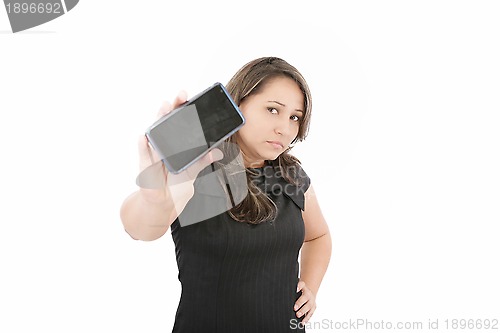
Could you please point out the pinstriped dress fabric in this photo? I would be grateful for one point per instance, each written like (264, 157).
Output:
(238, 277)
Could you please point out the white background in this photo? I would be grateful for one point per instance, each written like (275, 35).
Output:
(403, 152)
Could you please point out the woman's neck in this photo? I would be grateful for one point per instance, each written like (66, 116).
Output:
(252, 163)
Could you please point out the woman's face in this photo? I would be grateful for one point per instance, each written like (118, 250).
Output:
(272, 120)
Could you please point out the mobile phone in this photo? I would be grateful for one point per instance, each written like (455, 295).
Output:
(189, 132)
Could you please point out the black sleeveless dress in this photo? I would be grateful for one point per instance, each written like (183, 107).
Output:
(238, 277)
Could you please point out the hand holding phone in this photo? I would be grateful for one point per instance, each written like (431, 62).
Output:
(190, 131)
(184, 142)
(153, 175)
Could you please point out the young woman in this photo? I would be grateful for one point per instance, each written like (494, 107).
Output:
(239, 270)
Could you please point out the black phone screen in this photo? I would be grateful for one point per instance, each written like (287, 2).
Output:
(187, 133)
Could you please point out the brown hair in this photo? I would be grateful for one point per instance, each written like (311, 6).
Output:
(257, 207)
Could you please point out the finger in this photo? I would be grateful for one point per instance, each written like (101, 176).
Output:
(300, 302)
(307, 317)
(165, 108)
(145, 155)
(180, 99)
(302, 299)
(304, 309)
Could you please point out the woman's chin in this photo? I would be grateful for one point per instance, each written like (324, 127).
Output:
(265, 156)
(272, 157)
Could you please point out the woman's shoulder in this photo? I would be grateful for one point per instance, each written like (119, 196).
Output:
(301, 176)
(293, 172)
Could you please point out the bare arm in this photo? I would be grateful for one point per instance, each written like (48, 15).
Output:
(314, 256)
(317, 248)
(147, 213)
(146, 219)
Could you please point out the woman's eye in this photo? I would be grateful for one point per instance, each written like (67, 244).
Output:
(295, 118)
(272, 110)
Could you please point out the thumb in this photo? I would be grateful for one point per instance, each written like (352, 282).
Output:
(215, 155)
(146, 157)
(212, 156)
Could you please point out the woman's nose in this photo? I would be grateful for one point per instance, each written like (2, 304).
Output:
(282, 126)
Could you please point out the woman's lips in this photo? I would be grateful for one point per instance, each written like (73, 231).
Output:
(275, 144)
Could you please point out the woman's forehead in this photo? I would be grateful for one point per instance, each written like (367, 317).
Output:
(283, 90)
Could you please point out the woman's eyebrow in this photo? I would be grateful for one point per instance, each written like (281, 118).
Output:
(283, 105)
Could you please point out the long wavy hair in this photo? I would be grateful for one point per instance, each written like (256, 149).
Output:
(258, 207)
